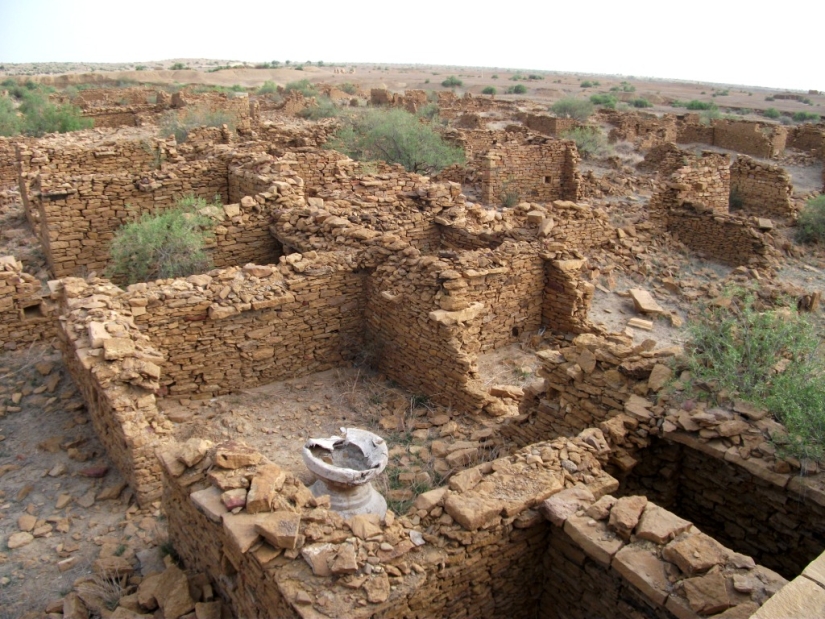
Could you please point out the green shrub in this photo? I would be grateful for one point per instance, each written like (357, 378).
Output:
(590, 141)
(771, 112)
(706, 117)
(489, 90)
(518, 89)
(570, 107)
(452, 82)
(494, 76)
(41, 116)
(180, 124)
(326, 108)
(608, 101)
(395, 136)
(178, 66)
(164, 245)
(695, 104)
(641, 103)
(510, 195)
(349, 88)
(10, 122)
(811, 222)
(302, 86)
(586, 84)
(802, 117)
(429, 111)
(741, 350)
(268, 87)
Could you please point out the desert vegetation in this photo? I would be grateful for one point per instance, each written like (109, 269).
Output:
(163, 245)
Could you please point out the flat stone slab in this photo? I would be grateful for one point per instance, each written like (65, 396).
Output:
(644, 302)
(801, 598)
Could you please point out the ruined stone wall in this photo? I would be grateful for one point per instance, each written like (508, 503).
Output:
(80, 214)
(772, 517)
(116, 369)
(728, 239)
(478, 547)
(808, 137)
(241, 234)
(539, 172)
(243, 327)
(750, 138)
(546, 124)
(643, 129)
(460, 552)
(631, 558)
(23, 316)
(744, 136)
(567, 297)
(8, 163)
(764, 190)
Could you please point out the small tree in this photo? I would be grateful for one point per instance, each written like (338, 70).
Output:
(570, 107)
(395, 136)
(488, 90)
(163, 245)
(590, 141)
(452, 82)
(772, 112)
(518, 89)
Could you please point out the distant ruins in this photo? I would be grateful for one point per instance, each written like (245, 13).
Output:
(612, 502)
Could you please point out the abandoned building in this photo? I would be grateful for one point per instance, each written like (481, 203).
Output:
(611, 502)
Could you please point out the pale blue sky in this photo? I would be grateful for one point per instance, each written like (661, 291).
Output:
(774, 45)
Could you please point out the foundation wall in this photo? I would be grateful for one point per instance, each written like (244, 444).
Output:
(117, 371)
(765, 190)
(750, 138)
(237, 328)
(540, 172)
(548, 125)
(782, 528)
(80, 215)
(23, 314)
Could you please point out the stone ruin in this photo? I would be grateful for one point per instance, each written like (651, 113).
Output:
(614, 503)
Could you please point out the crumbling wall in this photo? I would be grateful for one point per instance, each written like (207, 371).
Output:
(117, 370)
(771, 516)
(728, 239)
(567, 297)
(714, 467)
(243, 327)
(631, 558)
(808, 137)
(539, 172)
(546, 124)
(763, 189)
(643, 129)
(23, 315)
(750, 138)
(79, 215)
(744, 136)
(8, 163)
(479, 547)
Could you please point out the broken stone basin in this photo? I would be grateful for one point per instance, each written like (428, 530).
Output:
(345, 466)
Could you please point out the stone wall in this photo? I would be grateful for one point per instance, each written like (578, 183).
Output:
(748, 137)
(80, 214)
(539, 171)
(728, 239)
(767, 515)
(764, 190)
(716, 467)
(242, 327)
(23, 311)
(478, 547)
(546, 124)
(567, 297)
(117, 370)
(8, 164)
(809, 138)
(643, 129)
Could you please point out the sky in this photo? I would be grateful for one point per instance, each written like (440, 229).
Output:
(723, 41)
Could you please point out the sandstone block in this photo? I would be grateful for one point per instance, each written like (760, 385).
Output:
(659, 525)
(694, 553)
(643, 570)
(281, 529)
